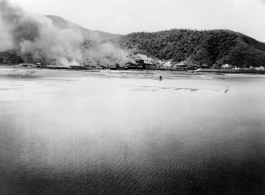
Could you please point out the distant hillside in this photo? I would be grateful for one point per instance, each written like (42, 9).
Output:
(88, 34)
(92, 37)
(212, 47)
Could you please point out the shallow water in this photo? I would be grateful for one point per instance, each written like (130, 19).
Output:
(132, 136)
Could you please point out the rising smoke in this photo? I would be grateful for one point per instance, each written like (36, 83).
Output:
(36, 38)
(107, 54)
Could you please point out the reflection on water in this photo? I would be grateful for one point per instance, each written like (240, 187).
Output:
(132, 136)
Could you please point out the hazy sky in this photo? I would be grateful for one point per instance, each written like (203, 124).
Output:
(126, 16)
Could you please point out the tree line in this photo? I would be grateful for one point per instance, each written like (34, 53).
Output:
(210, 47)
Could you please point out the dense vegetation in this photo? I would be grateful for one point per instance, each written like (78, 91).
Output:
(213, 47)
(10, 56)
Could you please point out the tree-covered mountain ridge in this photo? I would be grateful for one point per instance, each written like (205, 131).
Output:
(207, 47)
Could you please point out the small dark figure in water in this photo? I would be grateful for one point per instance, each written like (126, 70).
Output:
(160, 78)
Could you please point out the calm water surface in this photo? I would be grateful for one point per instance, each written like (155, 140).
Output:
(132, 136)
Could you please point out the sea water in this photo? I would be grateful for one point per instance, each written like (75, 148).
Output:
(132, 136)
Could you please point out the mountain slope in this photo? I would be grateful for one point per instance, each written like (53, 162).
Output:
(87, 34)
(212, 47)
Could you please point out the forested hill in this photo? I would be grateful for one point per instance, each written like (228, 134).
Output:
(211, 47)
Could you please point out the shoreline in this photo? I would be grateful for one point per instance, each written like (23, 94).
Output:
(20, 72)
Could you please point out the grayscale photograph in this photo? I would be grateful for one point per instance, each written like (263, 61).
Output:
(132, 97)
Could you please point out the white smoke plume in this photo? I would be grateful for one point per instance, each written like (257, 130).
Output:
(36, 36)
(107, 54)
